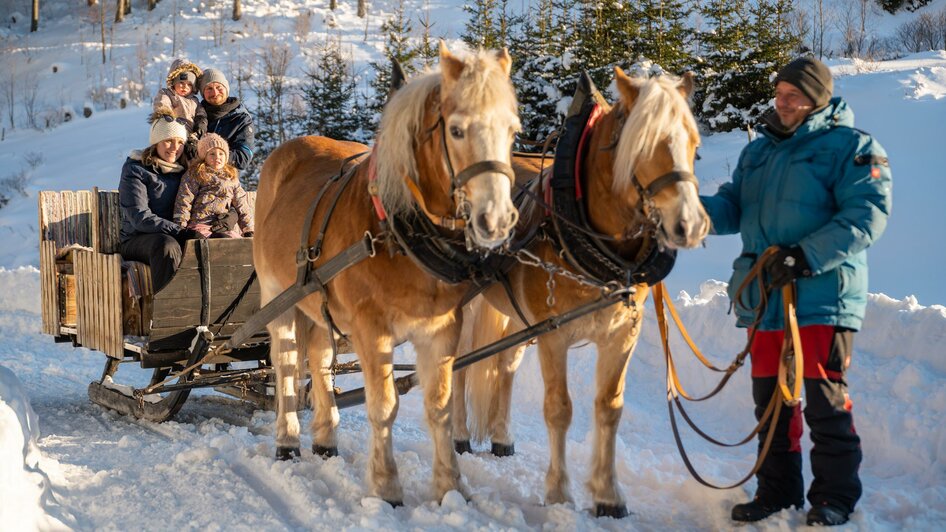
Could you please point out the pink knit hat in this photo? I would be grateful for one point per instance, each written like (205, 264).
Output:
(210, 141)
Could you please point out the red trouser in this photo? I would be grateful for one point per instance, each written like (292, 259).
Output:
(836, 453)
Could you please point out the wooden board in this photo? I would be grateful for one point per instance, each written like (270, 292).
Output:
(49, 288)
(98, 302)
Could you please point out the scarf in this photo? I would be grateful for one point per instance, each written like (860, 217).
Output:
(216, 112)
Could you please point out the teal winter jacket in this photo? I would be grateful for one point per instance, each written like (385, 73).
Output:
(827, 188)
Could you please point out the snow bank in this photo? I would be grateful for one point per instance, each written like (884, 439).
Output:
(24, 488)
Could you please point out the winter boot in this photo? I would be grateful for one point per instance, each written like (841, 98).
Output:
(757, 510)
(827, 515)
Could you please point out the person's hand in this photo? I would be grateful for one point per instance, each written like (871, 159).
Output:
(222, 223)
(189, 234)
(248, 234)
(786, 266)
(190, 150)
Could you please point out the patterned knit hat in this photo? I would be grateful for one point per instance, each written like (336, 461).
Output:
(212, 75)
(209, 142)
(183, 70)
(165, 125)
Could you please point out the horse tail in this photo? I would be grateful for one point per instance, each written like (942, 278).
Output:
(482, 378)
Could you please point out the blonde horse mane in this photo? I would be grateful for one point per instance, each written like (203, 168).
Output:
(659, 111)
(482, 85)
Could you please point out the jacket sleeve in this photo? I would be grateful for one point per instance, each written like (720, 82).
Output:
(723, 207)
(242, 205)
(200, 121)
(242, 141)
(161, 100)
(133, 198)
(863, 194)
(185, 200)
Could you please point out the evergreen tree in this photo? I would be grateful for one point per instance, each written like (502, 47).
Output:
(729, 98)
(547, 65)
(479, 31)
(664, 34)
(329, 92)
(427, 51)
(397, 46)
(605, 30)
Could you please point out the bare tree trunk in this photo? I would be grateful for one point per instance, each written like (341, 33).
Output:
(120, 11)
(92, 2)
(127, 7)
(152, 4)
(34, 22)
(333, 5)
(237, 10)
(102, 25)
(362, 8)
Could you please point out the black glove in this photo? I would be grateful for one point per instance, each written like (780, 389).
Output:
(786, 266)
(221, 235)
(223, 222)
(248, 234)
(189, 234)
(190, 150)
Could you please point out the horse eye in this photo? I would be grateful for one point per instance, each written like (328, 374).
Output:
(456, 132)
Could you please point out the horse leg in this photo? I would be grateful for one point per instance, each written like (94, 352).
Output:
(461, 432)
(500, 408)
(325, 416)
(284, 354)
(374, 346)
(435, 355)
(558, 415)
(610, 373)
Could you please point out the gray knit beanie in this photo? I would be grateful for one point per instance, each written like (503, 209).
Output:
(812, 77)
(212, 75)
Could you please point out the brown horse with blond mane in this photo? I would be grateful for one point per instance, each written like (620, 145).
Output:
(463, 117)
(649, 137)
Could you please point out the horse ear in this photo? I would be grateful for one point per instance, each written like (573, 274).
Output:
(505, 60)
(398, 79)
(449, 64)
(687, 84)
(628, 89)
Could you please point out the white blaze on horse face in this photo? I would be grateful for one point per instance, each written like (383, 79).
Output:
(485, 138)
(686, 224)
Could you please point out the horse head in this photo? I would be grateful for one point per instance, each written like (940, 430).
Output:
(653, 165)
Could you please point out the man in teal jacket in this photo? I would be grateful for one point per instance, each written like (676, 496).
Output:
(820, 191)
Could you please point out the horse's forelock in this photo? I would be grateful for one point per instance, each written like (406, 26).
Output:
(482, 85)
(658, 109)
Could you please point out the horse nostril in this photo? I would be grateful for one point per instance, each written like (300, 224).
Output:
(682, 228)
(486, 222)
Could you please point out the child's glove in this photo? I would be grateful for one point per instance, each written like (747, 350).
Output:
(189, 234)
(190, 148)
(223, 223)
(248, 234)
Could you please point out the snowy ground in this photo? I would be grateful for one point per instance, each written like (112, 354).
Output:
(65, 463)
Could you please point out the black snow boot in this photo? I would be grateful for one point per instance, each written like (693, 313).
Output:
(757, 510)
(827, 515)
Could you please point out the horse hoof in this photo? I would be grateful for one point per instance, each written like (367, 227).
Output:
(615, 511)
(463, 447)
(287, 453)
(501, 449)
(324, 452)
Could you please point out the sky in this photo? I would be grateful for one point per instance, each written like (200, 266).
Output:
(67, 464)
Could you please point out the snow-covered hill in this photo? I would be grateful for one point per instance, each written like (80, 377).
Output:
(74, 465)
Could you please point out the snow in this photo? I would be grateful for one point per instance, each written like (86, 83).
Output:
(67, 464)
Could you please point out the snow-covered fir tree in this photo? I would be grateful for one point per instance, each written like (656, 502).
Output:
(329, 93)
(664, 33)
(396, 32)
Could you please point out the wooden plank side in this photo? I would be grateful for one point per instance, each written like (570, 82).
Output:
(82, 285)
(230, 252)
(95, 222)
(84, 217)
(115, 339)
(108, 221)
(49, 288)
(97, 309)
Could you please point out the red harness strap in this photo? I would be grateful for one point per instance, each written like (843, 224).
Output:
(596, 113)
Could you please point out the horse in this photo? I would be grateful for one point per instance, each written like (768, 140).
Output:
(462, 117)
(637, 176)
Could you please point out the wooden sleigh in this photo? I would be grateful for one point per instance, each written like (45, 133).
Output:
(93, 299)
